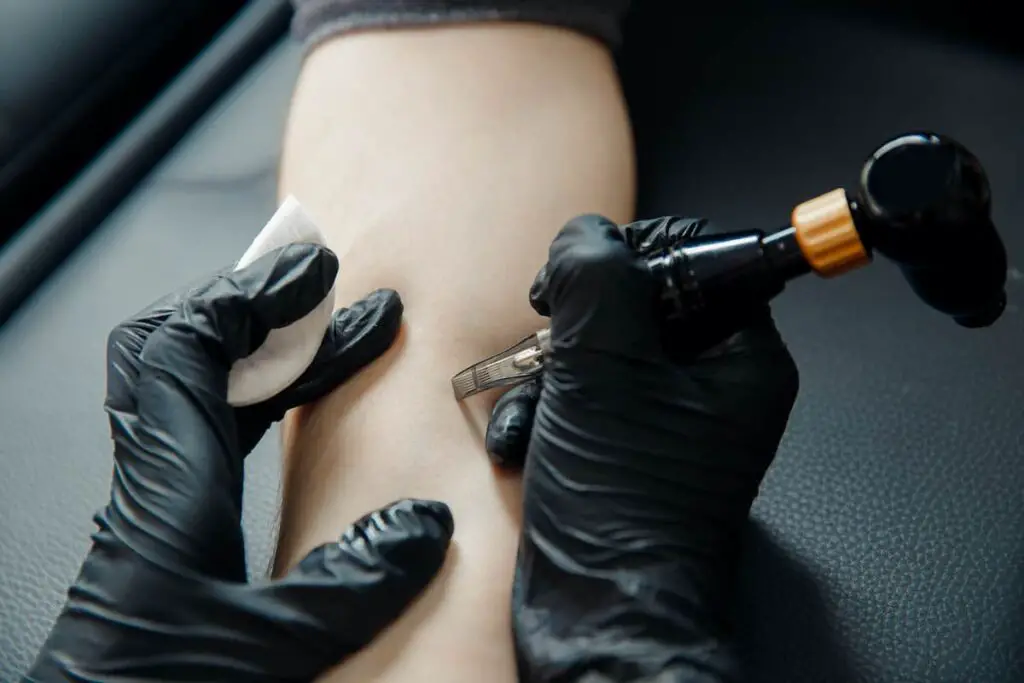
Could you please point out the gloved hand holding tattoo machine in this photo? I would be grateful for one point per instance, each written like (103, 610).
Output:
(656, 400)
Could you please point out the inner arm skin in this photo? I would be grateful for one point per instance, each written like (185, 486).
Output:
(440, 162)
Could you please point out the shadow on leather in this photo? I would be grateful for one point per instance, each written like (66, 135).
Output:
(784, 625)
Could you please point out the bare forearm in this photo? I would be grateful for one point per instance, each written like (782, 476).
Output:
(440, 162)
(462, 124)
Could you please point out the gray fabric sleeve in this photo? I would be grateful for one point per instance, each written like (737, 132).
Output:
(316, 20)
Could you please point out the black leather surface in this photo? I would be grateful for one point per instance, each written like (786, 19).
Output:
(196, 212)
(889, 542)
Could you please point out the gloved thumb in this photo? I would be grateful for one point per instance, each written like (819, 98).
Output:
(598, 291)
(508, 432)
(342, 595)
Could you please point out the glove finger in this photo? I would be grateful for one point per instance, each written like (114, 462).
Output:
(124, 346)
(508, 431)
(541, 283)
(601, 294)
(357, 336)
(537, 290)
(125, 342)
(647, 237)
(342, 595)
(272, 292)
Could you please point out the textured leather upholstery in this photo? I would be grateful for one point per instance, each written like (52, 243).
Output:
(889, 539)
(887, 546)
(196, 212)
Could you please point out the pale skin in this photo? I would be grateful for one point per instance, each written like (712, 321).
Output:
(440, 162)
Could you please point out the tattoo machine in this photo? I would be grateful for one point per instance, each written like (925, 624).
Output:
(922, 200)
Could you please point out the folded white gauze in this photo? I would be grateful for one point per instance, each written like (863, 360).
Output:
(287, 351)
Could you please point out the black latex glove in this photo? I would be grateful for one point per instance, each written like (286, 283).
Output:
(162, 594)
(644, 457)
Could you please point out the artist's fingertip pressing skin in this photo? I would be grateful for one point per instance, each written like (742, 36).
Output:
(508, 432)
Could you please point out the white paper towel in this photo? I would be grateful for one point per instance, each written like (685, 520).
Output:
(287, 351)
